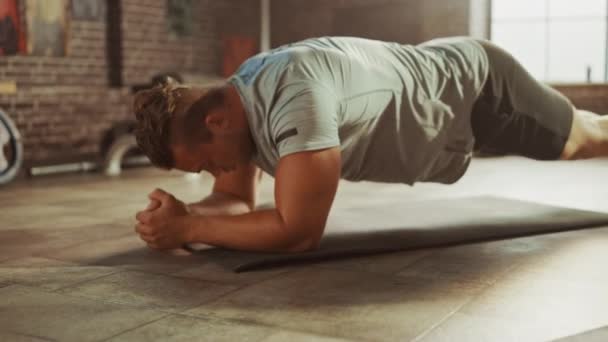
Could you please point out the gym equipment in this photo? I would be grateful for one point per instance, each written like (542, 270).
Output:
(112, 165)
(431, 223)
(119, 148)
(11, 149)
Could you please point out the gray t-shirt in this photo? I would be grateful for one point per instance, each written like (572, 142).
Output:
(400, 113)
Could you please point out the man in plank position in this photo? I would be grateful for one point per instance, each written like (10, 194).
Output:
(315, 111)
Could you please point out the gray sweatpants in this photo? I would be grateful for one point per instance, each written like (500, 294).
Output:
(516, 114)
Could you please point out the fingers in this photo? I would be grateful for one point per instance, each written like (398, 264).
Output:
(153, 205)
(153, 244)
(144, 234)
(144, 216)
(141, 228)
(160, 195)
(148, 238)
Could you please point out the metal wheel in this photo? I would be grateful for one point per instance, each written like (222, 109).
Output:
(11, 149)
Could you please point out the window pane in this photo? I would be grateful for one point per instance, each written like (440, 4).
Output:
(569, 8)
(570, 55)
(531, 51)
(518, 9)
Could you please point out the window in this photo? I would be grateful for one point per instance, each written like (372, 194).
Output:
(558, 41)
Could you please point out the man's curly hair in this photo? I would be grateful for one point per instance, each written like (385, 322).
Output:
(153, 110)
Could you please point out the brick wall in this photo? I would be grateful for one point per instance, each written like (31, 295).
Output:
(149, 49)
(591, 97)
(63, 105)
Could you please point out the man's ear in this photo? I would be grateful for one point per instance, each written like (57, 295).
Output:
(217, 122)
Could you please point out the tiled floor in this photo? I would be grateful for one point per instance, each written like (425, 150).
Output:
(72, 269)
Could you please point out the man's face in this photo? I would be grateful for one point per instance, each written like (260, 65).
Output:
(215, 157)
(229, 145)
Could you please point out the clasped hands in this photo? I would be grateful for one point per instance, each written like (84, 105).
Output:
(159, 224)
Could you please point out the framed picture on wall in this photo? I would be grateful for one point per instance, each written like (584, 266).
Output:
(12, 38)
(47, 27)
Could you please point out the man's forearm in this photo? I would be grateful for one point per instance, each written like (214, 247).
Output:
(262, 231)
(219, 203)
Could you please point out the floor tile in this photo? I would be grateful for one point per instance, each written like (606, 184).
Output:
(577, 259)
(176, 328)
(69, 257)
(557, 306)
(469, 328)
(300, 337)
(21, 242)
(220, 274)
(49, 274)
(36, 312)
(482, 263)
(12, 337)
(390, 263)
(351, 305)
(140, 289)
(127, 252)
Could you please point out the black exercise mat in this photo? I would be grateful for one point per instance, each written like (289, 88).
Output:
(431, 223)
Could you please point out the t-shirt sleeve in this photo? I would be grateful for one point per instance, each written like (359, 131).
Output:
(306, 121)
